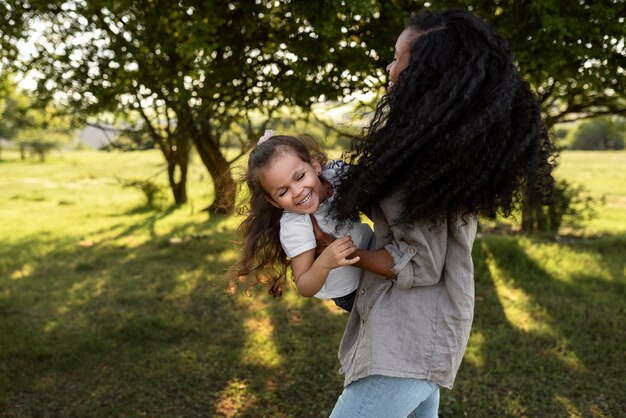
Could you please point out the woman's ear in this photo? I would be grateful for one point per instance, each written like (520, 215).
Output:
(316, 166)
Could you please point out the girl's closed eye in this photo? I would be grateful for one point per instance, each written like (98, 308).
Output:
(300, 176)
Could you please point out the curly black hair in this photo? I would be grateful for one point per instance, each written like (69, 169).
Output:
(459, 132)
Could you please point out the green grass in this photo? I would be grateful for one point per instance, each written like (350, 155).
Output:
(603, 175)
(112, 309)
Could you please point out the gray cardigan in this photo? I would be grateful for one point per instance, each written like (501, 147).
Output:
(418, 324)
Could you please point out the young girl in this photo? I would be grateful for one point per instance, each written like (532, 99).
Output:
(458, 132)
(289, 182)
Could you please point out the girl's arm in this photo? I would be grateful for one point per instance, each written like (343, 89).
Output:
(376, 261)
(310, 273)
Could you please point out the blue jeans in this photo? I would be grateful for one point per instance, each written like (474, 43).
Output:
(389, 397)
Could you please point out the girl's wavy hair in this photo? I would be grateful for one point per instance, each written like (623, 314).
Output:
(459, 132)
(263, 260)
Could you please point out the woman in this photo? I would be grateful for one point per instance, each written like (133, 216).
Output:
(458, 132)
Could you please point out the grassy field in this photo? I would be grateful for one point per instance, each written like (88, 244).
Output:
(111, 309)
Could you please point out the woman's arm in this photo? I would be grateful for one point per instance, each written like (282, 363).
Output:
(421, 250)
(310, 273)
(376, 261)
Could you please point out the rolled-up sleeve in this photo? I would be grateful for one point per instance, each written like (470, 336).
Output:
(418, 251)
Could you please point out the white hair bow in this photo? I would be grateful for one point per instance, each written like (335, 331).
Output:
(267, 135)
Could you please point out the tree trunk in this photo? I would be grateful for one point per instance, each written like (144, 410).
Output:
(179, 158)
(175, 149)
(178, 186)
(528, 224)
(224, 186)
(534, 217)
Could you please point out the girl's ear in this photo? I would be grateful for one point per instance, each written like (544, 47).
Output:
(316, 166)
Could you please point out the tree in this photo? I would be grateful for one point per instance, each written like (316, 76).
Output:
(194, 70)
(13, 107)
(572, 52)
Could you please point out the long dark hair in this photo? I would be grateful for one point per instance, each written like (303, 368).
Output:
(459, 132)
(263, 260)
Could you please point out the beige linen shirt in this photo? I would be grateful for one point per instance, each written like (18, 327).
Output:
(416, 325)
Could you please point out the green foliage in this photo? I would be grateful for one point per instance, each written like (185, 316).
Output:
(35, 129)
(152, 191)
(195, 73)
(39, 148)
(257, 53)
(44, 134)
(599, 134)
(14, 105)
(571, 207)
(571, 52)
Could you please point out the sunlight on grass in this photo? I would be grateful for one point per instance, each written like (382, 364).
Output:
(515, 405)
(523, 312)
(514, 301)
(568, 406)
(227, 256)
(22, 272)
(474, 351)
(232, 398)
(260, 348)
(83, 292)
(564, 263)
(185, 283)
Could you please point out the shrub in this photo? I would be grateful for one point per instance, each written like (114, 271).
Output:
(598, 134)
(152, 191)
(571, 207)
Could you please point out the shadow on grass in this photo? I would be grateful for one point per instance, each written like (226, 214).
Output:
(147, 330)
(111, 331)
(543, 347)
(107, 330)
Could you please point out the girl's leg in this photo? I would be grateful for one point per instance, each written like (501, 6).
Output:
(383, 396)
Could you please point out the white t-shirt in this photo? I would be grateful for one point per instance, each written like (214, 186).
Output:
(296, 237)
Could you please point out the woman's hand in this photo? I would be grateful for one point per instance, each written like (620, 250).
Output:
(322, 238)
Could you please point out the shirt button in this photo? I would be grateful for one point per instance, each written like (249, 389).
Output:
(411, 250)
(362, 291)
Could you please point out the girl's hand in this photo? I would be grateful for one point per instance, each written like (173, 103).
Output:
(322, 238)
(337, 253)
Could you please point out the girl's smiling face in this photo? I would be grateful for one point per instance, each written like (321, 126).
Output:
(293, 184)
(401, 55)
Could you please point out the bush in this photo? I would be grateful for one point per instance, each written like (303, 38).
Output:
(571, 207)
(152, 191)
(598, 134)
